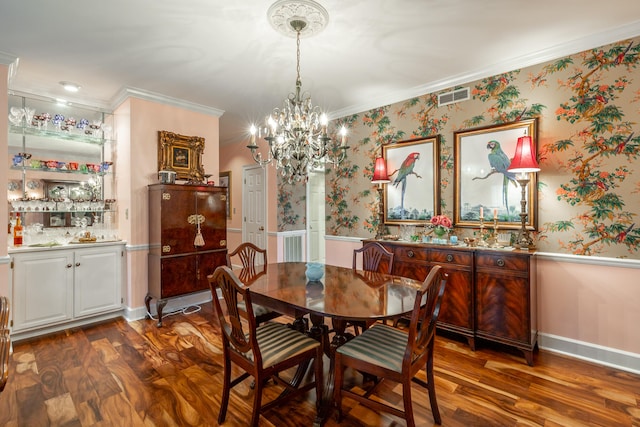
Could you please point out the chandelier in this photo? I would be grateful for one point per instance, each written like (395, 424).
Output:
(297, 131)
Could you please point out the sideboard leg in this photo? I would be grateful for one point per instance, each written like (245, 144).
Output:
(472, 343)
(528, 355)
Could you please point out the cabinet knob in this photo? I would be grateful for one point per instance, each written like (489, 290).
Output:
(410, 254)
(77, 264)
(69, 265)
(500, 262)
(449, 257)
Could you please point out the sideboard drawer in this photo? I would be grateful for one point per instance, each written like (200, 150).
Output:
(409, 253)
(502, 261)
(447, 256)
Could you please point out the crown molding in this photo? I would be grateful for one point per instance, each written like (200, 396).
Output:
(129, 92)
(12, 62)
(551, 53)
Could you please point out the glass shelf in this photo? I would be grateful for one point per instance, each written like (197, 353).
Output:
(56, 170)
(62, 135)
(21, 212)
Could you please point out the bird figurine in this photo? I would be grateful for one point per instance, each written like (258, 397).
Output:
(499, 163)
(405, 170)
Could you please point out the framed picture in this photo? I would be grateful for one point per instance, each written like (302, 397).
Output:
(413, 195)
(182, 154)
(225, 181)
(482, 183)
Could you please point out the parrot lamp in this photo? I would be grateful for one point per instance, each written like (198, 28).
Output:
(524, 162)
(380, 176)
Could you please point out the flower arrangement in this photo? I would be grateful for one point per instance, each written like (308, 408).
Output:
(441, 225)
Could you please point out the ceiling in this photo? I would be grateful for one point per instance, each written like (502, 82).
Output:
(225, 55)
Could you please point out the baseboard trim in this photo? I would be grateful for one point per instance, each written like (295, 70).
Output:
(46, 330)
(623, 360)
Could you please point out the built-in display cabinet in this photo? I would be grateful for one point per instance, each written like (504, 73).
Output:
(69, 267)
(60, 176)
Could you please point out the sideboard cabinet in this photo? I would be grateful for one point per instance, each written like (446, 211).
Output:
(490, 294)
(187, 239)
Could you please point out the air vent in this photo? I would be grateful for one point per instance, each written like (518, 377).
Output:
(453, 96)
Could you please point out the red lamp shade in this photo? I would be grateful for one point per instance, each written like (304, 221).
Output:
(524, 160)
(380, 175)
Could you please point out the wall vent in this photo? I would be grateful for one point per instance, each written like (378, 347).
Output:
(453, 96)
(292, 248)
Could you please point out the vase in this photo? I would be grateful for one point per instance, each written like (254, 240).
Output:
(441, 233)
(441, 236)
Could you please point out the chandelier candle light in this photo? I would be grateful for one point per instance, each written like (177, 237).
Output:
(524, 162)
(297, 132)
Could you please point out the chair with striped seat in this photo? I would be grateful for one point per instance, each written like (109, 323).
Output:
(254, 265)
(262, 351)
(388, 353)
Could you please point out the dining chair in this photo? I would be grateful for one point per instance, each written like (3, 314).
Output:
(376, 258)
(261, 351)
(254, 264)
(388, 353)
(5, 341)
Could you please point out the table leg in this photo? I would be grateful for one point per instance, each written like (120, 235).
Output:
(339, 338)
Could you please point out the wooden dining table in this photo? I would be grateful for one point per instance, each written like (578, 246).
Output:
(340, 295)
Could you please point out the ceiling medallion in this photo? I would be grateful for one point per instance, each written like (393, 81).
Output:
(283, 12)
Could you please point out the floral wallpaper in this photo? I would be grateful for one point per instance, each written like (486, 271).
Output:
(588, 109)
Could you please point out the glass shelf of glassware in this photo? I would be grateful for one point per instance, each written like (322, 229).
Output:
(43, 118)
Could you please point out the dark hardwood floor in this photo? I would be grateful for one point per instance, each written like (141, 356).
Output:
(134, 374)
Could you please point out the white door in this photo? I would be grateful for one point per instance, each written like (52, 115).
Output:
(254, 187)
(315, 216)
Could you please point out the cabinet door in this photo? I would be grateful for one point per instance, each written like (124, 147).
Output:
(42, 289)
(178, 276)
(177, 206)
(97, 280)
(456, 311)
(502, 298)
(502, 306)
(214, 229)
(207, 264)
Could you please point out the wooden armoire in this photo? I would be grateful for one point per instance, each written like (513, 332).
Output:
(187, 239)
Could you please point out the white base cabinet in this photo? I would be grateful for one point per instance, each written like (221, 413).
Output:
(55, 286)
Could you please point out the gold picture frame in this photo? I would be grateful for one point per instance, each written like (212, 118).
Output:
(413, 195)
(181, 154)
(225, 181)
(478, 184)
